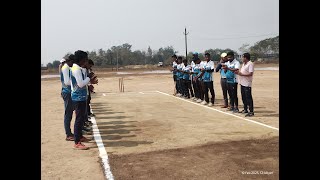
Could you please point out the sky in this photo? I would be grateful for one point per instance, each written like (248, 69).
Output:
(70, 25)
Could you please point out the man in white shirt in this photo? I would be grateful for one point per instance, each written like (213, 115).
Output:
(245, 79)
(233, 65)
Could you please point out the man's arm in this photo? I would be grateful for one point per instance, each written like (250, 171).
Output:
(218, 67)
(78, 76)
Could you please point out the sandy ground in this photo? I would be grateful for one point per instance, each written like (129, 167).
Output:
(149, 135)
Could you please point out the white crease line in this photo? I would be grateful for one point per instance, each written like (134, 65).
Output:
(103, 94)
(141, 92)
(103, 153)
(222, 112)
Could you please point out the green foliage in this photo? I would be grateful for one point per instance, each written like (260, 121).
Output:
(124, 55)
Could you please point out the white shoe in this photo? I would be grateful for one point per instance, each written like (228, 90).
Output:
(195, 99)
(199, 101)
(204, 102)
(210, 104)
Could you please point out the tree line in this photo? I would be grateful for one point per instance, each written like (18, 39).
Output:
(123, 55)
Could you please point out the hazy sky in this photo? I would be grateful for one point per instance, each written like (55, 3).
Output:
(70, 25)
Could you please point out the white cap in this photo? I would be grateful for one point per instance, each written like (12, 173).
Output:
(223, 55)
(62, 60)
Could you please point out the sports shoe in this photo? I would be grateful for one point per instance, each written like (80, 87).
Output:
(210, 104)
(243, 111)
(249, 114)
(84, 139)
(80, 146)
(69, 138)
(91, 115)
(199, 101)
(87, 128)
(235, 110)
(204, 102)
(231, 109)
(86, 132)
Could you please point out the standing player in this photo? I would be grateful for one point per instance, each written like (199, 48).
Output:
(223, 79)
(233, 65)
(187, 80)
(174, 73)
(245, 80)
(208, 80)
(195, 82)
(65, 73)
(79, 84)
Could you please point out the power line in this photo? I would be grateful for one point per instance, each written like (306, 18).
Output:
(238, 37)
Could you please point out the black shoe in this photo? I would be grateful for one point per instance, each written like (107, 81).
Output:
(250, 114)
(243, 111)
(91, 115)
(86, 128)
(235, 110)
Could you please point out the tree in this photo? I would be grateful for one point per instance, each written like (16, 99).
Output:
(49, 65)
(55, 64)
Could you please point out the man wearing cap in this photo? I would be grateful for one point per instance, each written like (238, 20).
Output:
(245, 81)
(65, 76)
(223, 79)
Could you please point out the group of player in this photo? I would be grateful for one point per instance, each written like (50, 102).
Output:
(77, 81)
(200, 74)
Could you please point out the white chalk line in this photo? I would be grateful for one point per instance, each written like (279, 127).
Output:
(103, 153)
(141, 92)
(103, 94)
(221, 111)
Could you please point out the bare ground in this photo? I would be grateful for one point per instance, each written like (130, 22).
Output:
(144, 142)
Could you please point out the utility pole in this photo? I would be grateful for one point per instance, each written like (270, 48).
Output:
(185, 39)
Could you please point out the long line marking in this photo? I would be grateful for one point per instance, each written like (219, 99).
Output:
(103, 153)
(222, 112)
(141, 92)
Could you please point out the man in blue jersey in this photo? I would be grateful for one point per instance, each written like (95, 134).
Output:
(232, 65)
(180, 66)
(79, 82)
(173, 68)
(223, 79)
(65, 73)
(187, 89)
(208, 80)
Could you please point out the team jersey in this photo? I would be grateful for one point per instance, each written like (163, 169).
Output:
(174, 66)
(207, 76)
(180, 74)
(79, 82)
(187, 70)
(65, 74)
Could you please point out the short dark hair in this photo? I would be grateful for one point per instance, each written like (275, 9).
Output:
(207, 54)
(246, 55)
(91, 62)
(180, 57)
(80, 55)
(174, 56)
(71, 57)
(184, 60)
(230, 53)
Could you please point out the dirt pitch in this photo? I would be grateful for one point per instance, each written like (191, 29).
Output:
(147, 139)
